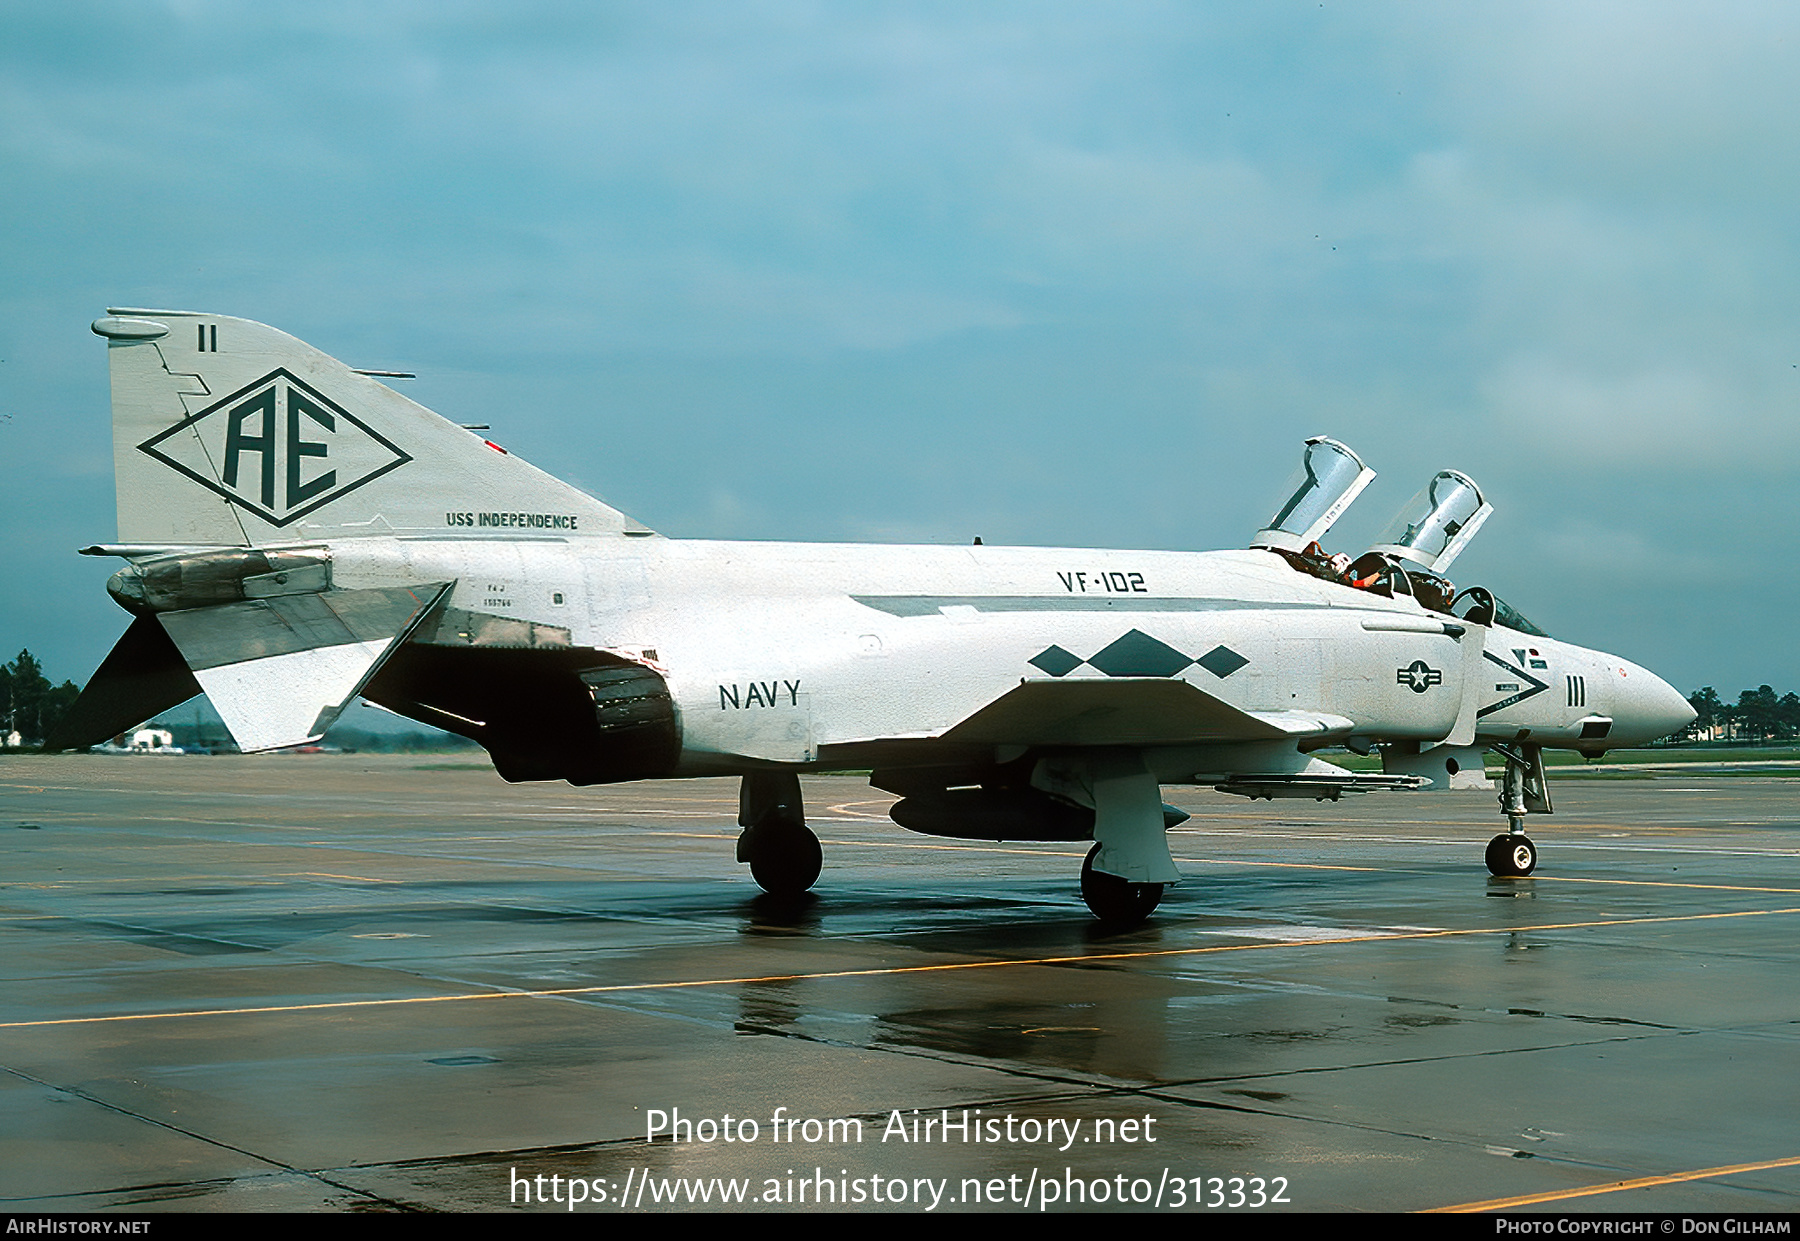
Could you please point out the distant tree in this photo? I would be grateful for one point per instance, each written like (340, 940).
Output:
(1759, 712)
(1758, 715)
(29, 703)
(1708, 710)
(1787, 711)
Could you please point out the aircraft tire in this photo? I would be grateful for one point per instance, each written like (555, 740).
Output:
(1511, 855)
(785, 858)
(1115, 901)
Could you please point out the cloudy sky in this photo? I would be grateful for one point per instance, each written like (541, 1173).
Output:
(1071, 274)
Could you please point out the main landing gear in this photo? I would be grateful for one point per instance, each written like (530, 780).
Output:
(783, 853)
(1117, 902)
(1523, 791)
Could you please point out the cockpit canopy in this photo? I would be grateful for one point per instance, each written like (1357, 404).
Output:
(1329, 478)
(1480, 606)
(1433, 529)
(1414, 551)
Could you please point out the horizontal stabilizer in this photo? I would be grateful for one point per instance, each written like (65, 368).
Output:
(1126, 711)
(142, 677)
(280, 671)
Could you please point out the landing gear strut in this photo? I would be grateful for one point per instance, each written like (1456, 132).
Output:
(1130, 831)
(783, 853)
(1118, 902)
(1524, 791)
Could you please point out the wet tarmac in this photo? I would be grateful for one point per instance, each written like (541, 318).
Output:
(350, 983)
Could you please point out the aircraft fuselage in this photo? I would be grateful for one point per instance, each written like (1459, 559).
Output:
(817, 653)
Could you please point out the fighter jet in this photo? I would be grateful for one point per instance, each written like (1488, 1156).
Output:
(298, 534)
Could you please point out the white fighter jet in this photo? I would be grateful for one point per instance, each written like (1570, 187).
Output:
(298, 534)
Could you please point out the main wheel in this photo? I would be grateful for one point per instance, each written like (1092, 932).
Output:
(1115, 901)
(1511, 854)
(785, 858)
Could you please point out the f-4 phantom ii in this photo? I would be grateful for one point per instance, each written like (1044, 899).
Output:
(298, 534)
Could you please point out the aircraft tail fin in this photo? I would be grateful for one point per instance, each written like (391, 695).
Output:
(230, 433)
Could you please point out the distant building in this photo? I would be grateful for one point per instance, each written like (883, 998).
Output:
(144, 741)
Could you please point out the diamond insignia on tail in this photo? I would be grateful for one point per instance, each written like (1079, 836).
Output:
(277, 447)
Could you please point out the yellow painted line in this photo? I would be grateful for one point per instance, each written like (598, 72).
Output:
(679, 835)
(320, 874)
(873, 844)
(1665, 883)
(1251, 864)
(962, 848)
(1245, 863)
(1383, 937)
(1213, 861)
(1613, 1187)
(844, 808)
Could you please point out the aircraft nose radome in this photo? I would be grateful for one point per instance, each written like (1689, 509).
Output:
(1649, 707)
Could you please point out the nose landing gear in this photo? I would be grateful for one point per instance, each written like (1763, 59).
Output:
(1524, 791)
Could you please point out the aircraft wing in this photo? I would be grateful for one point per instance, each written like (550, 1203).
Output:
(1128, 711)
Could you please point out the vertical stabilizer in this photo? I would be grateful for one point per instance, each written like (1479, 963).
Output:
(227, 432)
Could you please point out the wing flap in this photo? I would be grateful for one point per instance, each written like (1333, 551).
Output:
(1304, 723)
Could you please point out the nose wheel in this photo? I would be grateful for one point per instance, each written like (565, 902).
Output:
(1117, 902)
(1511, 855)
